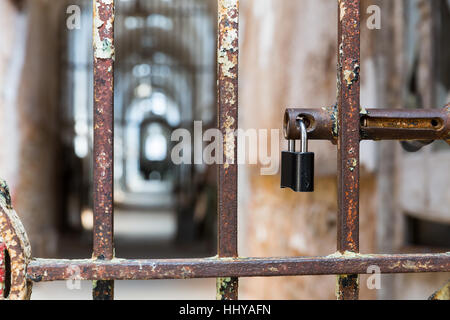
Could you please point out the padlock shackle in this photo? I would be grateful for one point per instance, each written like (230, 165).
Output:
(291, 145)
(304, 134)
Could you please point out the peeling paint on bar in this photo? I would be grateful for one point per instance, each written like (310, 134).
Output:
(342, 10)
(229, 142)
(226, 287)
(103, 43)
(227, 61)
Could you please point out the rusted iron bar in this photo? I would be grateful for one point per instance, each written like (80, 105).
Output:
(227, 59)
(348, 138)
(349, 263)
(376, 124)
(103, 38)
(2, 269)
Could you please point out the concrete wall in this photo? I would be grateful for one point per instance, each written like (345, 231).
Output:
(288, 59)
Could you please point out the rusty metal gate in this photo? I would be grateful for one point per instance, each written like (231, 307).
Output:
(346, 124)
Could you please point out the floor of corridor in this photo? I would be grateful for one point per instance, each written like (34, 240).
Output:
(137, 235)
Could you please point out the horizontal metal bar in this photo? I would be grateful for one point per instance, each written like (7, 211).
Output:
(376, 124)
(120, 269)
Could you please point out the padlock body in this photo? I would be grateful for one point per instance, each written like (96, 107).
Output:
(297, 171)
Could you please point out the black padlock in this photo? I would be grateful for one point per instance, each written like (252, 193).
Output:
(297, 168)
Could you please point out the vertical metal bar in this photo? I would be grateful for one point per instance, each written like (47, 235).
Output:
(103, 38)
(227, 59)
(349, 138)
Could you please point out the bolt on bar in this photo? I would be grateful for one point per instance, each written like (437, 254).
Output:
(227, 59)
(348, 138)
(103, 42)
(376, 124)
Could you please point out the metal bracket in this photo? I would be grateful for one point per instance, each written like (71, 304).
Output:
(419, 127)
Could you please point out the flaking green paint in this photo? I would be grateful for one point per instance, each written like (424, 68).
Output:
(224, 286)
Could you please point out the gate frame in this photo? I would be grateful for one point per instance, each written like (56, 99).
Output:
(103, 268)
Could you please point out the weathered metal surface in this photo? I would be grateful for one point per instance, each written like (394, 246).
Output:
(17, 244)
(376, 124)
(321, 123)
(227, 288)
(348, 115)
(347, 263)
(103, 38)
(2, 269)
(227, 59)
(442, 294)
